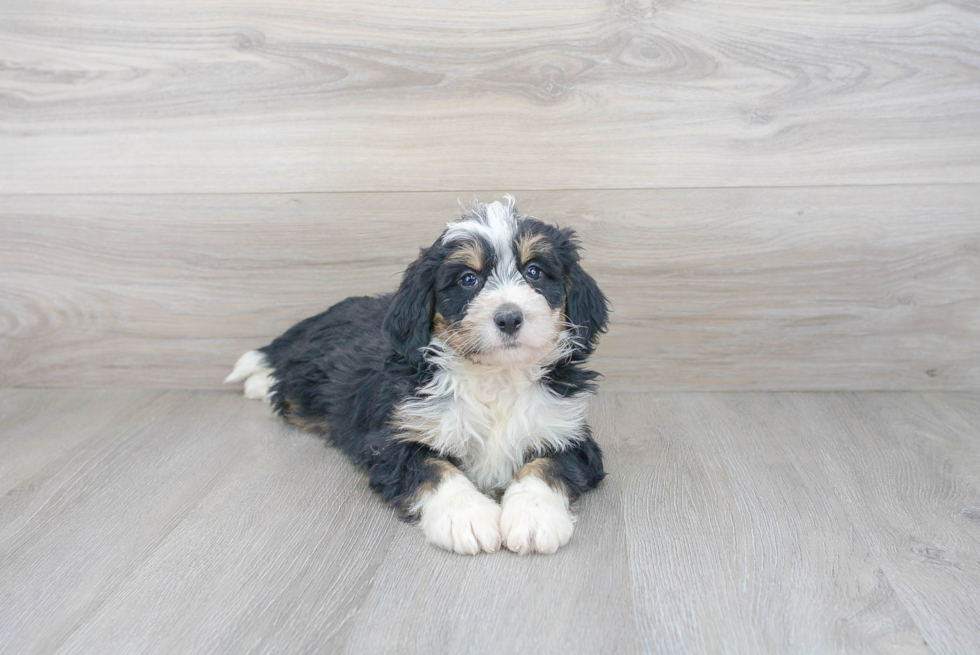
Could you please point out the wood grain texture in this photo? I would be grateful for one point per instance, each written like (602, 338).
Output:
(734, 548)
(958, 415)
(743, 523)
(81, 529)
(897, 464)
(830, 288)
(302, 95)
(276, 558)
(154, 520)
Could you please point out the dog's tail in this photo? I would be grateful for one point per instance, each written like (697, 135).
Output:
(254, 370)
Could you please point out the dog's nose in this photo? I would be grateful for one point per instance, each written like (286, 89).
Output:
(509, 320)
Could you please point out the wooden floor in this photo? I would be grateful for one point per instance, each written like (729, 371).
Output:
(194, 521)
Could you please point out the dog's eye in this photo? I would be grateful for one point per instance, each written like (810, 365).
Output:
(468, 280)
(532, 273)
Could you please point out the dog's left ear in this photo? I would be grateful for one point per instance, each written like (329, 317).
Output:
(408, 322)
(585, 305)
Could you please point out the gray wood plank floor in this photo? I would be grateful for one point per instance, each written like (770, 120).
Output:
(179, 521)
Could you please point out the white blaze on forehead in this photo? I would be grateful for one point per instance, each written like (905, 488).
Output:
(496, 223)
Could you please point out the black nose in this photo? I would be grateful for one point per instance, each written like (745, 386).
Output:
(509, 321)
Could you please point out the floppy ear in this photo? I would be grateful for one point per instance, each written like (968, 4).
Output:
(585, 307)
(408, 323)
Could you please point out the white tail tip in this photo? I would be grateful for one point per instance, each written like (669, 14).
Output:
(251, 362)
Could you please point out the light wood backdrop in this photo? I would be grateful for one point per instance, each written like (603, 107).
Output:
(774, 195)
(160, 96)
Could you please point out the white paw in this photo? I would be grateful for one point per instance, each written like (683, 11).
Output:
(457, 517)
(254, 369)
(535, 518)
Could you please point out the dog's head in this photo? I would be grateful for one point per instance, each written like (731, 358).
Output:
(498, 288)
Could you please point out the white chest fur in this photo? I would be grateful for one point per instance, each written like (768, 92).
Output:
(491, 419)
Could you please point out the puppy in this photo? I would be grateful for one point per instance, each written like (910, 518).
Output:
(465, 385)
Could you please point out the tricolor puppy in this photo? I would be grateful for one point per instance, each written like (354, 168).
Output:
(465, 385)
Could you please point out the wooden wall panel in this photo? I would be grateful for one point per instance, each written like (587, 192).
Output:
(798, 288)
(305, 95)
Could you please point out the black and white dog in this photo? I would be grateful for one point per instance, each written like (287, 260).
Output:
(465, 384)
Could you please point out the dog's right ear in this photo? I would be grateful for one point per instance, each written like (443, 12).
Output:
(408, 323)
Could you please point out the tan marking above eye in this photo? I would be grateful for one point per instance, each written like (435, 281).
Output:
(470, 254)
(530, 246)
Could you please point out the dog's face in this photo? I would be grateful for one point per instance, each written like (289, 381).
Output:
(498, 287)
(500, 291)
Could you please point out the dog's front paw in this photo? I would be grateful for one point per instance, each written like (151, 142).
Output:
(457, 517)
(535, 518)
